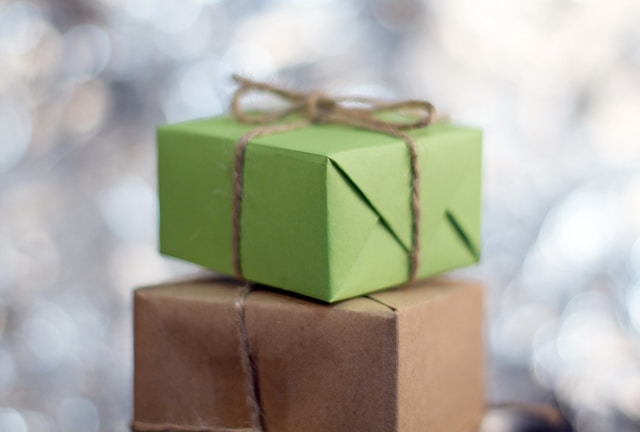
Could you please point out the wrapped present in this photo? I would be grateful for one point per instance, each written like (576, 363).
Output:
(327, 210)
(408, 359)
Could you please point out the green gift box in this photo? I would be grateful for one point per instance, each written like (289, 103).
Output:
(326, 209)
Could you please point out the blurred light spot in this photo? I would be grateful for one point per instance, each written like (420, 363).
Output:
(142, 9)
(69, 378)
(496, 422)
(78, 414)
(546, 364)
(46, 337)
(129, 207)
(12, 421)
(195, 39)
(7, 372)
(634, 258)
(15, 135)
(307, 3)
(174, 16)
(632, 201)
(87, 50)
(581, 390)
(89, 323)
(88, 107)
(580, 230)
(194, 93)
(373, 90)
(614, 131)
(591, 301)
(592, 417)
(633, 305)
(37, 421)
(37, 258)
(44, 341)
(634, 48)
(3, 308)
(590, 339)
(251, 60)
(317, 36)
(311, 33)
(169, 16)
(47, 56)
(198, 86)
(513, 333)
(397, 15)
(21, 27)
(629, 396)
(92, 349)
(128, 60)
(7, 272)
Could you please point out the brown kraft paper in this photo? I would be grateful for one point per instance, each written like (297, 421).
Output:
(408, 359)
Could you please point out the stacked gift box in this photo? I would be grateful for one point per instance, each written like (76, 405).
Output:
(330, 335)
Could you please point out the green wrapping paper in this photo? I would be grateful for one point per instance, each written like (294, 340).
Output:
(326, 209)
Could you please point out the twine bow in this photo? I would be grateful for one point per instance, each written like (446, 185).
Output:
(316, 107)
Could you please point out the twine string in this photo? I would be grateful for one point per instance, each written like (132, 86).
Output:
(249, 373)
(316, 107)
(238, 184)
(248, 364)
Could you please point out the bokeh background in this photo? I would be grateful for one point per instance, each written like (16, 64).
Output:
(555, 84)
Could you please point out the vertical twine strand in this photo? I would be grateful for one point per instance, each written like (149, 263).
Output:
(238, 187)
(247, 361)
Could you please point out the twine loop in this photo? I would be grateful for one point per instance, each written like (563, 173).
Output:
(316, 107)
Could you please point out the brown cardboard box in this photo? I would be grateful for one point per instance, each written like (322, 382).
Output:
(408, 359)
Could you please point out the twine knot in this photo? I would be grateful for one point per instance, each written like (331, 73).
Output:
(318, 106)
